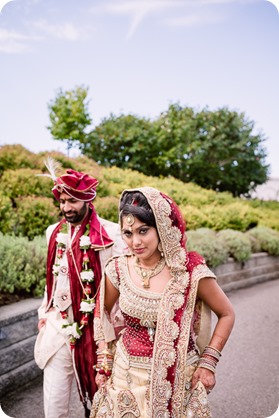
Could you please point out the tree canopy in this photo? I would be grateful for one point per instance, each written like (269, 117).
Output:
(217, 150)
(69, 116)
(124, 141)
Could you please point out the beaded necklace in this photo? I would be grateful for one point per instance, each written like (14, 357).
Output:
(146, 274)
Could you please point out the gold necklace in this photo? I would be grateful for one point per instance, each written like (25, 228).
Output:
(145, 273)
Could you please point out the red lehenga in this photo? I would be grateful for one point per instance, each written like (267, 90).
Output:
(158, 349)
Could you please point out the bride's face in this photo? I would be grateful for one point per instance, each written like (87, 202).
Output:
(141, 239)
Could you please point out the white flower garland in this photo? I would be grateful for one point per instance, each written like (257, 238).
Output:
(87, 305)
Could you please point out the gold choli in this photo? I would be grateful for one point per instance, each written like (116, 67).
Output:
(133, 301)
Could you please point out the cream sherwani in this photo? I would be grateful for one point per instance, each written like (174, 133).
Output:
(52, 351)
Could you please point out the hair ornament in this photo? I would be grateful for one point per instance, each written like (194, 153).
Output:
(130, 219)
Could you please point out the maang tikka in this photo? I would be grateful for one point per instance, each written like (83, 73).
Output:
(130, 220)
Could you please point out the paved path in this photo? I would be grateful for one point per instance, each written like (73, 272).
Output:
(247, 376)
(248, 372)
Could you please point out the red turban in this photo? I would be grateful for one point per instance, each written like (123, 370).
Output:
(76, 184)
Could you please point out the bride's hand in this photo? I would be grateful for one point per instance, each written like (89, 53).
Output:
(100, 380)
(206, 377)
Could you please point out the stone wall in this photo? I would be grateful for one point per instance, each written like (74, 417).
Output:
(18, 330)
(259, 268)
(18, 321)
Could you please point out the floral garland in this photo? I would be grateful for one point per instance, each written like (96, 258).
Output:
(87, 305)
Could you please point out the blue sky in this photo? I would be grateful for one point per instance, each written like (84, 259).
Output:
(138, 56)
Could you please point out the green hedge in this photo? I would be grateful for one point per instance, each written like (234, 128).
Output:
(24, 196)
(216, 247)
(264, 239)
(238, 244)
(219, 225)
(23, 265)
(205, 242)
(23, 262)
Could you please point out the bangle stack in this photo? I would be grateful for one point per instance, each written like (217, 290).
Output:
(104, 362)
(209, 358)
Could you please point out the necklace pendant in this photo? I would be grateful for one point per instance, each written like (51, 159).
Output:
(145, 281)
(147, 273)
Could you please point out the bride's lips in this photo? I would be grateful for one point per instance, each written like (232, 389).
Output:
(138, 250)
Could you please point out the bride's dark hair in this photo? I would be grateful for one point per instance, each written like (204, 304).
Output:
(135, 203)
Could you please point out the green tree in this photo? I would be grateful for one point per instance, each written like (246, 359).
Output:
(215, 149)
(123, 141)
(175, 130)
(69, 116)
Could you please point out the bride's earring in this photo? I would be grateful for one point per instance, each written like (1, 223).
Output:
(160, 248)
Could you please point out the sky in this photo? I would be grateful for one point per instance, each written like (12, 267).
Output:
(138, 57)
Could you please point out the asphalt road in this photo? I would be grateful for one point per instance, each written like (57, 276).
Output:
(248, 372)
(247, 375)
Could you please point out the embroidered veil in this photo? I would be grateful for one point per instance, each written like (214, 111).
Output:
(179, 312)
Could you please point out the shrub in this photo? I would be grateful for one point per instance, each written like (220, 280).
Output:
(267, 239)
(13, 157)
(236, 215)
(107, 208)
(25, 182)
(269, 218)
(200, 207)
(267, 211)
(195, 218)
(204, 241)
(238, 244)
(34, 215)
(118, 180)
(7, 215)
(192, 194)
(23, 265)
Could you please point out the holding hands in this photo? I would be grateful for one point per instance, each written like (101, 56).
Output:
(104, 364)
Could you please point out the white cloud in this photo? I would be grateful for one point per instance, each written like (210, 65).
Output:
(194, 20)
(20, 41)
(137, 10)
(66, 31)
(12, 42)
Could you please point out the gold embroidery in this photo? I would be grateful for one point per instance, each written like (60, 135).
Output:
(172, 299)
(127, 405)
(102, 406)
(112, 273)
(98, 330)
(133, 361)
(133, 301)
(196, 403)
(181, 378)
(201, 271)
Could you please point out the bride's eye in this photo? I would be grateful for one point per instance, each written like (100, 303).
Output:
(144, 230)
(127, 234)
